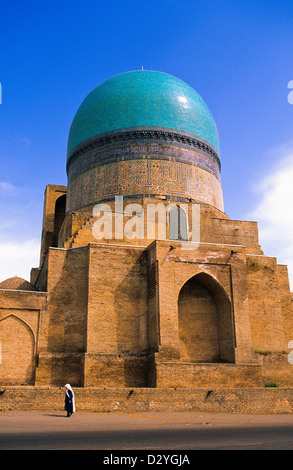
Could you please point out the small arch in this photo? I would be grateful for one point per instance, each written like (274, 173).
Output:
(206, 330)
(178, 224)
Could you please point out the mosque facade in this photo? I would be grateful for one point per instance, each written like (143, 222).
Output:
(144, 280)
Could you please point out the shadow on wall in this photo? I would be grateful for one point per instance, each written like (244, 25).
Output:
(67, 316)
(206, 330)
(131, 312)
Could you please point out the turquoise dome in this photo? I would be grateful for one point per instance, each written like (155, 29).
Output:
(143, 99)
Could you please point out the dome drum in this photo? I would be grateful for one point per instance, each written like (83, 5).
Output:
(143, 162)
(143, 133)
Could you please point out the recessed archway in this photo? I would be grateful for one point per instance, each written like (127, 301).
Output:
(17, 351)
(206, 332)
(60, 210)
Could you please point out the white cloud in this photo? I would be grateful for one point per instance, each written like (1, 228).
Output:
(20, 221)
(6, 186)
(274, 212)
(17, 258)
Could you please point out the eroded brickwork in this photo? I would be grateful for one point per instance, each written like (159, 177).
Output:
(120, 313)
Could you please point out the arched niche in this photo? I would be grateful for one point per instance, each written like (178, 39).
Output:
(17, 364)
(60, 210)
(205, 319)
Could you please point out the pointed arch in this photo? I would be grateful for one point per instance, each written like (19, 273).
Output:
(17, 351)
(206, 331)
(29, 328)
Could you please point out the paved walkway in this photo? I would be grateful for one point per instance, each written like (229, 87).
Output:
(180, 430)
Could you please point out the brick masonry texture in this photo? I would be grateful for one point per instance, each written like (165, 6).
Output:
(257, 401)
(117, 314)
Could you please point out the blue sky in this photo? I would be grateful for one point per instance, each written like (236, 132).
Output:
(237, 55)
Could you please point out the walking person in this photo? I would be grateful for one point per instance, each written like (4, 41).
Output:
(69, 400)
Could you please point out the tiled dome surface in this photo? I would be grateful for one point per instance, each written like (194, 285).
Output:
(143, 99)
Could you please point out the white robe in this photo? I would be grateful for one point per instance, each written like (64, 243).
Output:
(68, 387)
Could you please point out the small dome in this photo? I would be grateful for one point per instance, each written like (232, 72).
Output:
(143, 99)
(17, 283)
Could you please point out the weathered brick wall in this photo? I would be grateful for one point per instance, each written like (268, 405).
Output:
(111, 317)
(117, 302)
(117, 336)
(225, 277)
(270, 317)
(212, 400)
(52, 193)
(63, 324)
(215, 226)
(19, 333)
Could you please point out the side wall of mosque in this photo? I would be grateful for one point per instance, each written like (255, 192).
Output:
(154, 313)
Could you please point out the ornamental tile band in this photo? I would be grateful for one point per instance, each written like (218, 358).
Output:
(147, 177)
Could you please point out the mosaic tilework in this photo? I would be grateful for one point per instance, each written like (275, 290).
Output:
(143, 163)
(144, 177)
(137, 146)
(142, 99)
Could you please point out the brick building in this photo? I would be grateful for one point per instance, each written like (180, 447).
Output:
(144, 280)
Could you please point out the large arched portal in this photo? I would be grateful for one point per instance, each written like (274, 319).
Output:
(206, 330)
